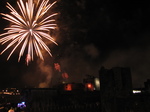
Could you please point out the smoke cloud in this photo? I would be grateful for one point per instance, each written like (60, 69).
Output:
(46, 71)
(136, 58)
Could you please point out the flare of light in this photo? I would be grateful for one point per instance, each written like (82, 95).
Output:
(30, 27)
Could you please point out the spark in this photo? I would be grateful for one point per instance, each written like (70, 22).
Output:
(29, 28)
(28, 59)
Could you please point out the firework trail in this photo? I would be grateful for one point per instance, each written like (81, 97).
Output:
(29, 28)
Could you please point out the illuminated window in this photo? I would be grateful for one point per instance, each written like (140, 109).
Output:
(90, 86)
(97, 83)
(136, 91)
(68, 87)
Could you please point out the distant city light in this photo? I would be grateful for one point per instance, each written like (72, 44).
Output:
(10, 91)
(21, 105)
(136, 91)
(97, 83)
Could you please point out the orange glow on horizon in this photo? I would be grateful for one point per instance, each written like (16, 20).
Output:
(57, 67)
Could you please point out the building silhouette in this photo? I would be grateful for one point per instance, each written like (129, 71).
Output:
(116, 89)
(147, 85)
(54, 100)
(116, 94)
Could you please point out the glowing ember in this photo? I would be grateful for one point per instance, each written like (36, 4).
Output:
(28, 59)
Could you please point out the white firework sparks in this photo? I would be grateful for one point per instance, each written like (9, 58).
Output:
(29, 26)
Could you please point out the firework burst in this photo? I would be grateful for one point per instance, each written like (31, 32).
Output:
(29, 27)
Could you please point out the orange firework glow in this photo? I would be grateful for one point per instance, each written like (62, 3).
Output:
(28, 59)
(57, 67)
(29, 28)
(65, 75)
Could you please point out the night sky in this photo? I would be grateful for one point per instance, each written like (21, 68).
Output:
(90, 34)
